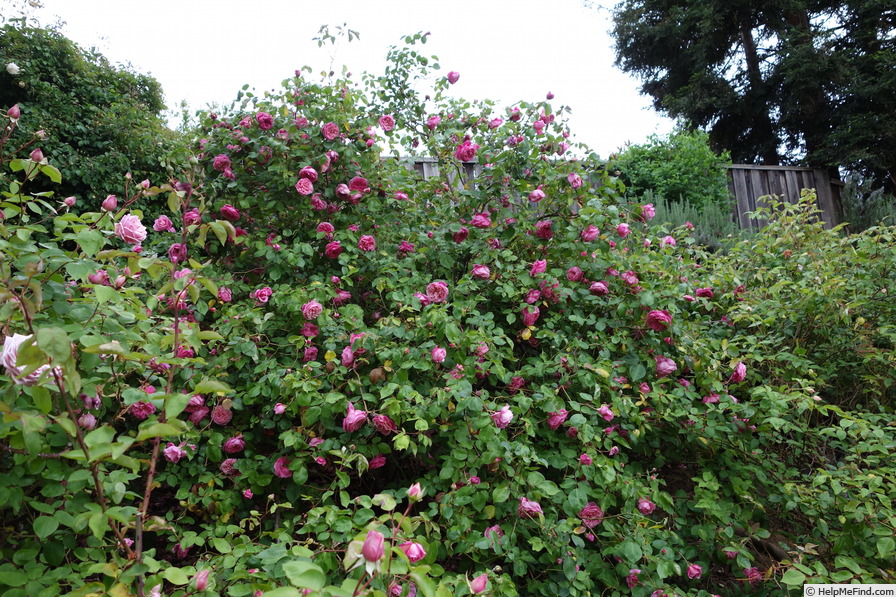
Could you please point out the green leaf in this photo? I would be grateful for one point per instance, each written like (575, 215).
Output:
(384, 501)
(99, 524)
(90, 241)
(209, 386)
(44, 526)
(100, 436)
(885, 546)
(793, 577)
(176, 576)
(158, 430)
(175, 404)
(305, 575)
(222, 545)
(284, 592)
(104, 294)
(42, 399)
(637, 372)
(424, 583)
(12, 578)
(845, 562)
(52, 173)
(501, 494)
(630, 551)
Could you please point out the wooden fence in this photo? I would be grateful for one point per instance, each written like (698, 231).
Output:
(748, 183)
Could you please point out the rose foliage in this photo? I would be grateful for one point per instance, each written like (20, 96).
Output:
(319, 374)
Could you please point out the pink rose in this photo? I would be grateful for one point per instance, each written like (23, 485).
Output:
(503, 417)
(384, 424)
(354, 419)
(414, 551)
(495, 123)
(358, 184)
(230, 213)
(466, 151)
(221, 162)
(221, 415)
(433, 122)
(141, 410)
(177, 252)
(658, 320)
(234, 444)
(532, 296)
(538, 267)
(309, 173)
(279, 408)
(348, 358)
(262, 295)
(665, 366)
(585, 460)
(378, 461)
(591, 515)
(330, 131)
(481, 221)
(87, 421)
(439, 354)
(192, 217)
(645, 506)
(367, 243)
(225, 295)
(739, 374)
(326, 228)
(543, 230)
(529, 509)
(606, 412)
(647, 212)
(705, 293)
(479, 584)
(574, 274)
(163, 224)
(461, 235)
(333, 249)
(667, 240)
(623, 230)
(481, 272)
(530, 317)
(372, 549)
(173, 452)
(437, 292)
(37, 155)
(312, 309)
(575, 181)
(281, 468)
(310, 354)
(536, 196)
(304, 186)
(695, 571)
(387, 122)
(556, 418)
(453, 76)
(130, 230)
(15, 112)
(10, 357)
(265, 120)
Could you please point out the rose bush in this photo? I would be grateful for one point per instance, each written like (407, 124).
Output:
(370, 383)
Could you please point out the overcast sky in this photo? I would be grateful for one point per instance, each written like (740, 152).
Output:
(204, 51)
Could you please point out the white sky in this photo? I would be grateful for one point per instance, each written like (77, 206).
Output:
(204, 51)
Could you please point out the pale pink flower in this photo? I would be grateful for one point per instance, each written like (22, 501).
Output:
(130, 230)
(606, 412)
(438, 354)
(502, 417)
(538, 267)
(529, 508)
(281, 468)
(354, 419)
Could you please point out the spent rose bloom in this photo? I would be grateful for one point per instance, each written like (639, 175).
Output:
(87, 421)
(373, 550)
(528, 508)
(632, 579)
(228, 467)
(378, 461)
(413, 550)
(10, 357)
(481, 220)
(705, 293)
(437, 292)
(606, 412)
(221, 162)
(384, 424)
(281, 468)
(585, 460)
(221, 415)
(543, 229)
(536, 196)
(230, 213)
(599, 288)
(530, 317)
(312, 309)
(354, 419)
(130, 230)
(503, 417)
(623, 230)
(141, 410)
(695, 571)
(658, 320)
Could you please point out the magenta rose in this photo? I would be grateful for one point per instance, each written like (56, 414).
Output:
(606, 412)
(530, 317)
(536, 196)
(574, 274)
(173, 452)
(358, 184)
(130, 230)
(367, 243)
(192, 217)
(309, 173)
(590, 233)
(304, 186)
(373, 549)
(538, 267)
(234, 444)
(438, 354)
(591, 515)
(221, 415)
(177, 252)
(163, 224)
(384, 424)
(695, 571)
(225, 295)
(414, 551)
(543, 230)
(453, 76)
(437, 292)
(647, 212)
(310, 354)
(645, 506)
(221, 162)
(705, 293)
(281, 468)
(330, 131)
(481, 221)
(665, 366)
(739, 374)
(432, 122)
(265, 121)
(623, 230)
(262, 295)
(466, 151)
(312, 309)
(658, 320)
(461, 235)
(333, 249)
(141, 410)
(230, 213)
(378, 461)
(575, 181)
